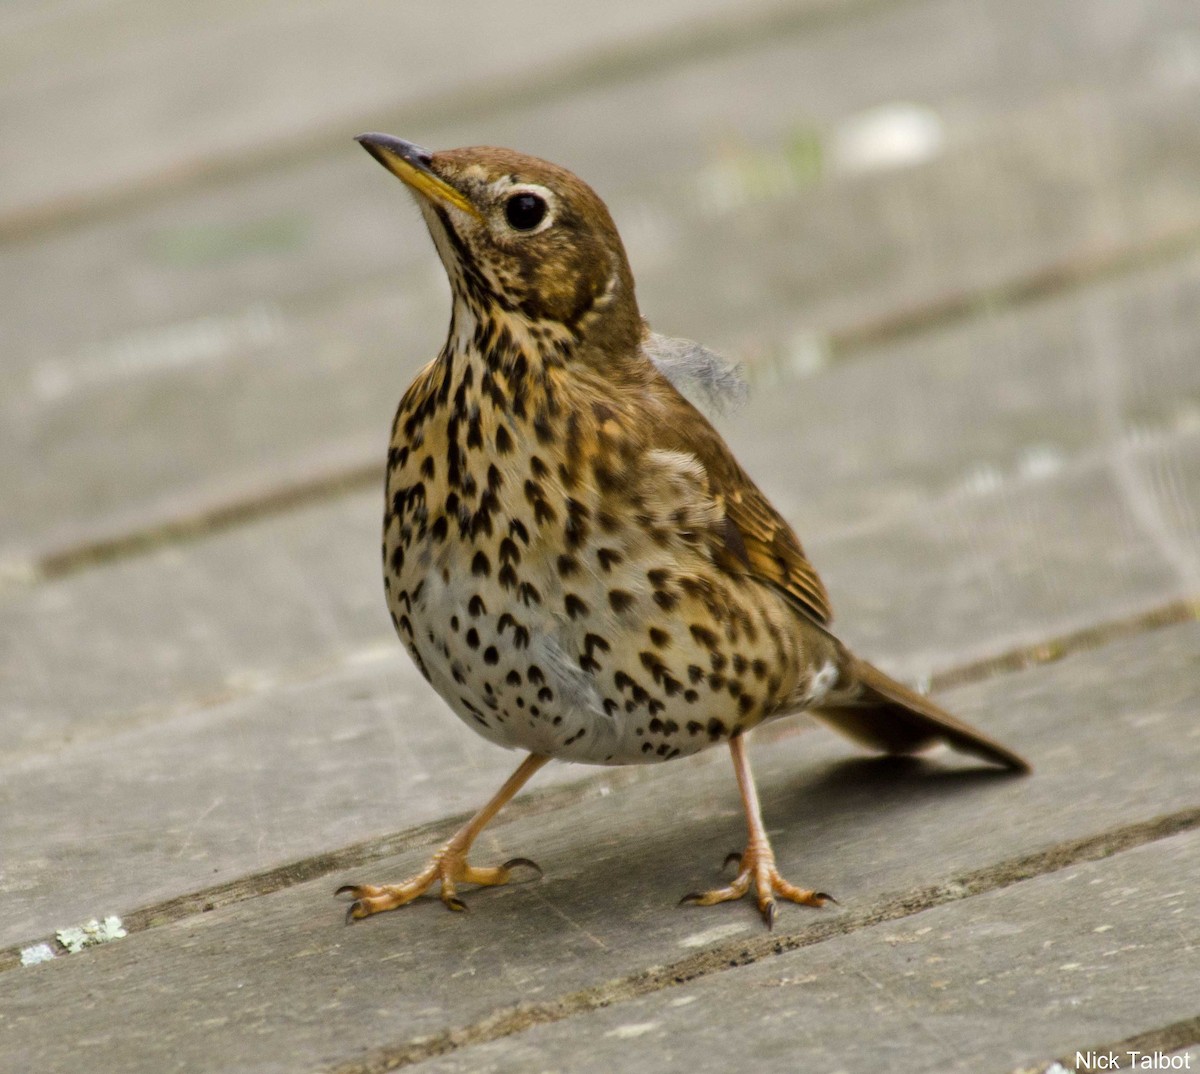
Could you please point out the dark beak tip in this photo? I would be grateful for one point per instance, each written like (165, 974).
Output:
(375, 143)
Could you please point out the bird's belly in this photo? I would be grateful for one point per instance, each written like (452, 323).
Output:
(606, 663)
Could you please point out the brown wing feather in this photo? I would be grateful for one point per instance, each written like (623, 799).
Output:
(755, 541)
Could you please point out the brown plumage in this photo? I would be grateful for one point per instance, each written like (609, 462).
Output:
(572, 556)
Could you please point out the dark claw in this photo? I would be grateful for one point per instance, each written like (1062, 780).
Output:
(733, 855)
(345, 889)
(827, 897)
(768, 914)
(512, 863)
(355, 905)
(455, 903)
(691, 896)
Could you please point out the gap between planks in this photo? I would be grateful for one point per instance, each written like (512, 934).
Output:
(551, 799)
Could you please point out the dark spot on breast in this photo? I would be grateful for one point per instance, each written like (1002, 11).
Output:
(567, 566)
(606, 477)
(666, 600)
(454, 623)
(716, 728)
(480, 565)
(491, 655)
(476, 607)
(574, 606)
(513, 678)
(703, 636)
(576, 530)
(473, 638)
(535, 675)
(620, 599)
(475, 431)
(660, 637)
(440, 529)
(509, 552)
(745, 704)
(608, 557)
(504, 444)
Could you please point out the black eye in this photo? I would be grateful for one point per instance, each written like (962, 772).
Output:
(525, 211)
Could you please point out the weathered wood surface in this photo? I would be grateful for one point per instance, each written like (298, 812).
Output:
(276, 982)
(977, 397)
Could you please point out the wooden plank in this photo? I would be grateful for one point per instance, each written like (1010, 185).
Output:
(129, 412)
(1063, 963)
(278, 982)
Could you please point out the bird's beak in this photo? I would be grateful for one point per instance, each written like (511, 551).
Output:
(413, 165)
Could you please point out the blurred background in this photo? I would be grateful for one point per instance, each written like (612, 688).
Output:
(955, 243)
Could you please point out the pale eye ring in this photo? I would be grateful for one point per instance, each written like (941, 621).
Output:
(525, 210)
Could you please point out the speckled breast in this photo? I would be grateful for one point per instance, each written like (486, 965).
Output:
(556, 604)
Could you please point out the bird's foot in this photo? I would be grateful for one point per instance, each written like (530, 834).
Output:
(449, 865)
(757, 866)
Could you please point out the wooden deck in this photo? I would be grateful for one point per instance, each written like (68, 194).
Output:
(957, 245)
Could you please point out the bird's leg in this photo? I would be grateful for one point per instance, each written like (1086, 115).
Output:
(449, 863)
(757, 864)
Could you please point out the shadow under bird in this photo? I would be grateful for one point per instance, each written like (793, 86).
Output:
(572, 556)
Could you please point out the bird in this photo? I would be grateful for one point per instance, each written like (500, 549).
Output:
(572, 556)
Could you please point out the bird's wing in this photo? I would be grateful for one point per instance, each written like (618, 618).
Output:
(760, 543)
(752, 538)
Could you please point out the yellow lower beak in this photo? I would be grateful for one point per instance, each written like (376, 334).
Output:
(411, 164)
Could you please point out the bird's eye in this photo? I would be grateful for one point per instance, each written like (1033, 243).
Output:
(525, 211)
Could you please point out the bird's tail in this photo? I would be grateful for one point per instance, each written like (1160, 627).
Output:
(887, 716)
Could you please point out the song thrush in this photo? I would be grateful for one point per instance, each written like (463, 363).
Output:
(572, 556)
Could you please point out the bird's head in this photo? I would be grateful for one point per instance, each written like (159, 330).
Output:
(521, 238)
